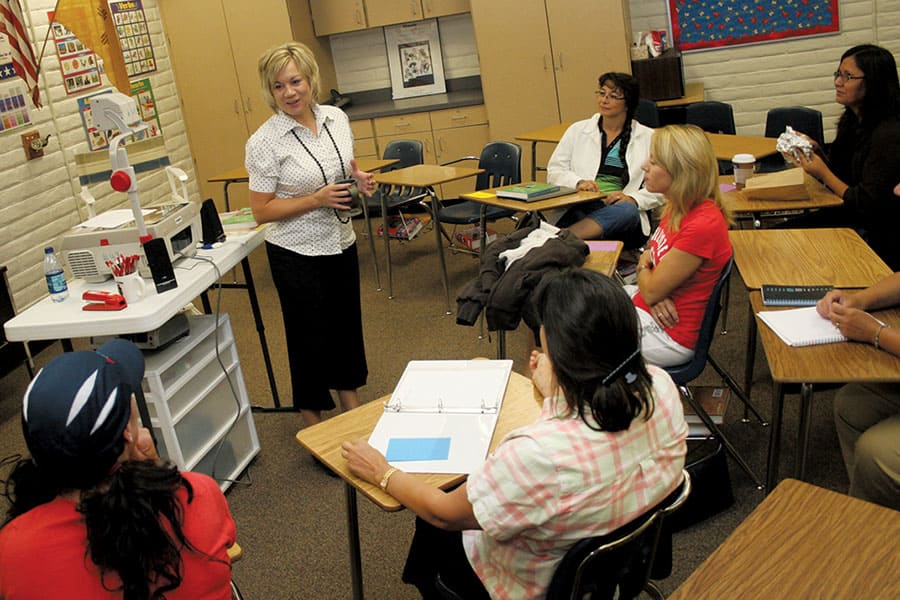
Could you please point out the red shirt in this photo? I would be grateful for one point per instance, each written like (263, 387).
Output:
(703, 233)
(42, 553)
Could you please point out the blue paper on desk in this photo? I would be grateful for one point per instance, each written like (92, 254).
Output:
(401, 449)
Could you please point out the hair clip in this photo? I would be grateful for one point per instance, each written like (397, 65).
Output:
(629, 377)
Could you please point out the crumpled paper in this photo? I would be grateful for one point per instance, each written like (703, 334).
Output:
(791, 144)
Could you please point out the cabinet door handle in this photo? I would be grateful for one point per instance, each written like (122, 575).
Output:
(561, 68)
(428, 8)
(401, 125)
(545, 62)
(358, 17)
(237, 108)
(249, 107)
(458, 118)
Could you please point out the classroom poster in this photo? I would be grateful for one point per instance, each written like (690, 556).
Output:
(134, 37)
(414, 59)
(78, 64)
(13, 95)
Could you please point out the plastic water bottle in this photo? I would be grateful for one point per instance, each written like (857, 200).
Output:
(56, 277)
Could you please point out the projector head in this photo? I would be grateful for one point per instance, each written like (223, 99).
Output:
(115, 111)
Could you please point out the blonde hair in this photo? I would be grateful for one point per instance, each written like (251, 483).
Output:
(687, 154)
(275, 59)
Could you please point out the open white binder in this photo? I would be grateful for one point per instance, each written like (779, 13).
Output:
(442, 414)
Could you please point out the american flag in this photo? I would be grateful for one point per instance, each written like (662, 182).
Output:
(22, 55)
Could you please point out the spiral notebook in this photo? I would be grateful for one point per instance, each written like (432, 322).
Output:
(801, 326)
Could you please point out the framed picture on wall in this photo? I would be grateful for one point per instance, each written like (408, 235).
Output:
(414, 58)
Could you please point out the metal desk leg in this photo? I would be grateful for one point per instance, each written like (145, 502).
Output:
(436, 219)
(144, 413)
(260, 327)
(501, 344)
(806, 394)
(775, 437)
(749, 357)
(365, 209)
(225, 190)
(533, 160)
(353, 536)
(387, 243)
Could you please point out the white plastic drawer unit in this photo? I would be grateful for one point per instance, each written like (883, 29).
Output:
(200, 424)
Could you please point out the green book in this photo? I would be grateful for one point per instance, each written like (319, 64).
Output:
(238, 219)
(527, 191)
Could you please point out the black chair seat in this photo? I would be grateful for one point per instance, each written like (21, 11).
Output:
(469, 213)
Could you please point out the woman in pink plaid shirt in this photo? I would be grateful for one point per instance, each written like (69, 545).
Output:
(609, 444)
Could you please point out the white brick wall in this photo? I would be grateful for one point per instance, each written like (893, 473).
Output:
(758, 77)
(38, 198)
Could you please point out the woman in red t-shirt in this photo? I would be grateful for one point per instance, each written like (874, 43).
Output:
(689, 249)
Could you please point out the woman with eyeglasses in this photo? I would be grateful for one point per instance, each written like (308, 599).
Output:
(862, 163)
(605, 153)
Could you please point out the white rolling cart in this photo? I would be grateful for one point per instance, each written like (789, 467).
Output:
(192, 406)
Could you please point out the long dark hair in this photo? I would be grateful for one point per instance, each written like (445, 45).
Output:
(592, 338)
(133, 520)
(631, 89)
(882, 96)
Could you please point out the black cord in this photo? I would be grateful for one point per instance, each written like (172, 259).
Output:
(234, 393)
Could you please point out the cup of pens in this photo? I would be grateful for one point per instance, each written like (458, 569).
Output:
(130, 283)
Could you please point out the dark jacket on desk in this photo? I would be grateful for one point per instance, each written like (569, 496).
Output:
(505, 294)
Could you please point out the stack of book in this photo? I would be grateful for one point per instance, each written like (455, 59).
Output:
(403, 227)
(237, 220)
(531, 191)
(714, 401)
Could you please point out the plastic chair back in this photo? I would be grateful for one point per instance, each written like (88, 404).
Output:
(800, 118)
(711, 116)
(620, 560)
(502, 164)
(647, 113)
(408, 152)
(687, 372)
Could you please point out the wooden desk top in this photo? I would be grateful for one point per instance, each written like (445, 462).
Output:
(726, 146)
(550, 134)
(804, 542)
(693, 92)
(324, 439)
(239, 174)
(827, 363)
(819, 197)
(837, 257)
(490, 198)
(425, 175)
(604, 261)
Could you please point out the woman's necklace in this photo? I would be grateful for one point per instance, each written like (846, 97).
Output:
(322, 169)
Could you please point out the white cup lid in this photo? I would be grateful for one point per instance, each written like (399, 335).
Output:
(742, 159)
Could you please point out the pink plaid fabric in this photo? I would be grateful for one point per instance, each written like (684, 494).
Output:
(556, 481)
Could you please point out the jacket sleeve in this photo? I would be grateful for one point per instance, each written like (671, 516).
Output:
(567, 163)
(873, 196)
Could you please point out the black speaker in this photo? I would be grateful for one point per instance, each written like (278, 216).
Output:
(160, 264)
(211, 223)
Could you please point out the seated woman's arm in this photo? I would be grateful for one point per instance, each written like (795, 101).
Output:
(563, 166)
(447, 510)
(657, 282)
(848, 312)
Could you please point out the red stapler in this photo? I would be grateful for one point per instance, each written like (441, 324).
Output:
(101, 300)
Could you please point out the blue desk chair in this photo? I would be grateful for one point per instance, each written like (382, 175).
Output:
(687, 372)
(647, 113)
(800, 118)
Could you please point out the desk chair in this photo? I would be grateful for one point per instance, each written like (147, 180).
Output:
(687, 372)
(616, 565)
(647, 113)
(502, 164)
(386, 197)
(802, 119)
(714, 117)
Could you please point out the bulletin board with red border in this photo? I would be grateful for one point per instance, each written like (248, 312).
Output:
(704, 24)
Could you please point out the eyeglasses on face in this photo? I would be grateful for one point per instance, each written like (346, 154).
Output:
(604, 93)
(845, 77)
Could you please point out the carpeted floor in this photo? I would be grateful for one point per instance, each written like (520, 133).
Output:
(291, 516)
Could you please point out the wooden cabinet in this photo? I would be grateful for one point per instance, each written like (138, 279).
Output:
(215, 68)
(540, 59)
(338, 16)
(445, 135)
(363, 139)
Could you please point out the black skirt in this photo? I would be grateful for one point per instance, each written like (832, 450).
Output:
(322, 323)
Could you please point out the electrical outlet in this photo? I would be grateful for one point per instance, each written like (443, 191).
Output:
(31, 142)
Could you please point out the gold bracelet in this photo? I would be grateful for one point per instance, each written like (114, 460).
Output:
(878, 336)
(387, 476)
